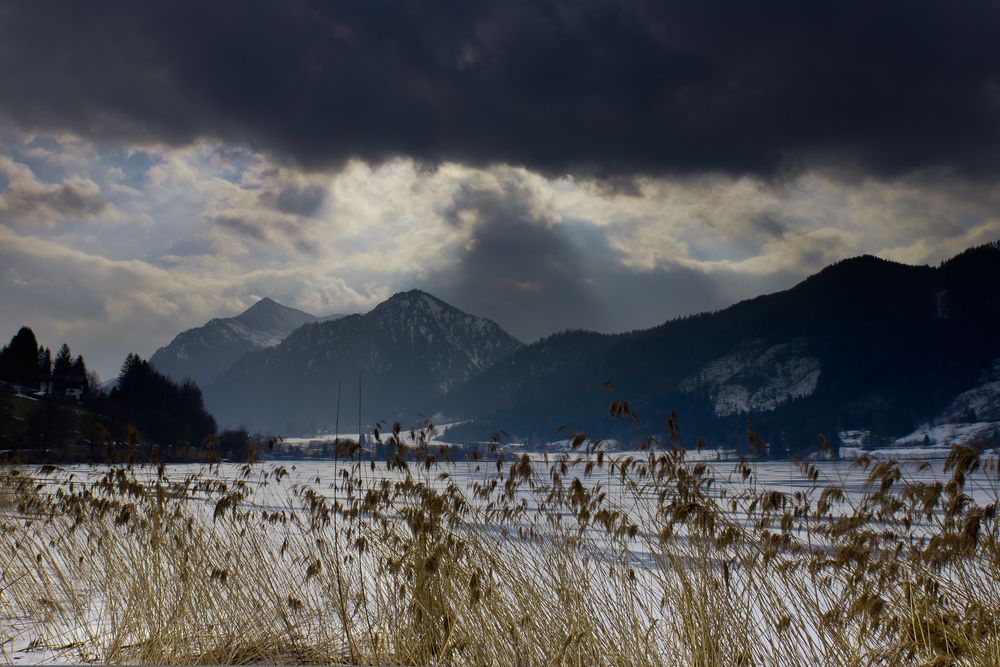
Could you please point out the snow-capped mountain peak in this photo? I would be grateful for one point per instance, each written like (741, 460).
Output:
(267, 315)
(407, 350)
(204, 352)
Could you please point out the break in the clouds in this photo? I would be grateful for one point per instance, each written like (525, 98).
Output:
(595, 87)
(553, 165)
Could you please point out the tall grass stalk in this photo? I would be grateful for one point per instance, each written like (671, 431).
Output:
(582, 558)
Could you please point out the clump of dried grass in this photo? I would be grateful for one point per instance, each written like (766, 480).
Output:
(582, 558)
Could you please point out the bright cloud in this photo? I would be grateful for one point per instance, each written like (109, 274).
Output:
(116, 248)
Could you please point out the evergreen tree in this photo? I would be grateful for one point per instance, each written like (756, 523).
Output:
(164, 412)
(19, 359)
(44, 364)
(235, 444)
(62, 370)
(132, 361)
(63, 366)
(79, 374)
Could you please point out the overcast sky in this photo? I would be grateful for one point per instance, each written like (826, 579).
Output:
(551, 165)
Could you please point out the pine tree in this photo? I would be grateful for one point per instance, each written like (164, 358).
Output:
(132, 361)
(62, 370)
(64, 361)
(19, 360)
(166, 413)
(44, 364)
(80, 374)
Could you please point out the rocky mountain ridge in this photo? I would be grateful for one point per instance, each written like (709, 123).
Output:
(400, 356)
(866, 345)
(204, 352)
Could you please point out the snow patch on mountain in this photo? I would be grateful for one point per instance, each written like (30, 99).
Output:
(971, 417)
(755, 378)
(455, 344)
(981, 403)
(204, 352)
(946, 435)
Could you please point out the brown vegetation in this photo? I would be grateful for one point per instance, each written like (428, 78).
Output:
(577, 559)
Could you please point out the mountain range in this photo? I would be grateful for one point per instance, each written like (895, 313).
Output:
(867, 349)
(403, 355)
(866, 345)
(201, 354)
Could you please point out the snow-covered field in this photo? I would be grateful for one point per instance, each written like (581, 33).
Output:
(20, 635)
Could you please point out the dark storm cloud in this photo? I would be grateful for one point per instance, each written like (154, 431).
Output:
(526, 274)
(602, 88)
(534, 276)
(296, 200)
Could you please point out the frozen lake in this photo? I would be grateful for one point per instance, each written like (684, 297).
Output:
(783, 476)
(599, 516)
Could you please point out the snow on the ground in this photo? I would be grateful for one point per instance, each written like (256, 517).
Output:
(929, 441)
(435, 437)
(908, 453)
(777, 475)
(944, 435)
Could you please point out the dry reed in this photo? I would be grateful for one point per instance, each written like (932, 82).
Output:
(583, 558)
